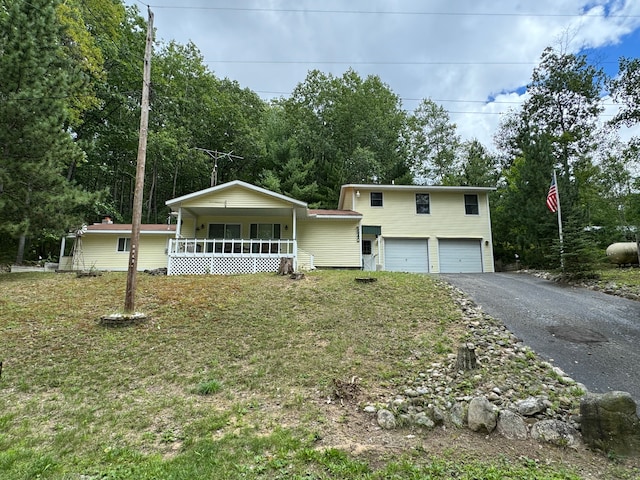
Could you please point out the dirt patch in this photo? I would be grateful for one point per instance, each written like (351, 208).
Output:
(350, 429)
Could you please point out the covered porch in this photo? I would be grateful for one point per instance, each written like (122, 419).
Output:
(201, 256)
(233, 228)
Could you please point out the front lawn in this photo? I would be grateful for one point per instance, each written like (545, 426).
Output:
(234, 377)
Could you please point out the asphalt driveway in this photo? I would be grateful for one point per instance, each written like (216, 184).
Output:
(592, 336)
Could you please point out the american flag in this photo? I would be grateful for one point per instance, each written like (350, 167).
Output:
(552, 197)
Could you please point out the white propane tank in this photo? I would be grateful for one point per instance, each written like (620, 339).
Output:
(622, 253)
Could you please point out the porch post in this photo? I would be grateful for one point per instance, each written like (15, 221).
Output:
(295, 241)
(179, 224)
(63, 244)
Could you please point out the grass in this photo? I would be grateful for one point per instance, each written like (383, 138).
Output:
(622, 276)
(228, 377)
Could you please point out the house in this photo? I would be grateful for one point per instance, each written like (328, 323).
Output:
(105, 246)
(413, 228)
(237, 227)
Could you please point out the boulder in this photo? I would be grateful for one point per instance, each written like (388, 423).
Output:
(482, 415)
(530, 406)
(609, 422)
(555, 432)
(511, 425)
(458, 414)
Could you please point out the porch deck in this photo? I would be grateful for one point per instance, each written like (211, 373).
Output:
(199, 256)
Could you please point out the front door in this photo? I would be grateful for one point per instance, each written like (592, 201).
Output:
(368, 257)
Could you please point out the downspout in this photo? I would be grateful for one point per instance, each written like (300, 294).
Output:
(490, 240)
(360, 240)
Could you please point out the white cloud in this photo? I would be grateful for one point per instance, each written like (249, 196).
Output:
(442, 57)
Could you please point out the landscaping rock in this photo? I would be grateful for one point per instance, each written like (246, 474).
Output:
(482, 415)
(511, 425)
(530, 406)
(555, 432)
(386, 419)
(609, 423)
(458, 414)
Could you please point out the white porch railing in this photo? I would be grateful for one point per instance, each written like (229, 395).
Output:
(199, 256)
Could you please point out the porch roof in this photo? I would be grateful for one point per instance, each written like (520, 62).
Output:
(176, 202)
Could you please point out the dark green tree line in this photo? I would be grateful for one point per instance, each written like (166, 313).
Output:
(38, 83)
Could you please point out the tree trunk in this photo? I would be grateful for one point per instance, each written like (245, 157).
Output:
(21, 243)
(286, 266)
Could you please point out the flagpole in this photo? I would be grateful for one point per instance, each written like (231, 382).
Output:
(555, 181)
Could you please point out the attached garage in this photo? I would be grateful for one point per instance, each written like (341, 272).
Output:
(460, 255)
(406, 255)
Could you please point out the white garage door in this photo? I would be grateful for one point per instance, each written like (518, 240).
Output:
(460, 255)
(406, 255)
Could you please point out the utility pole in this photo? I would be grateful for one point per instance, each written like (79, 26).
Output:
(130, 295)
(217, 156)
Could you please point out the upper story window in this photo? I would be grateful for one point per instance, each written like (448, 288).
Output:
(471, 204)
(376, 199)
(124, 244)
(422, 203)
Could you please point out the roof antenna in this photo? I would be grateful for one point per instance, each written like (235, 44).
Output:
(216, 155)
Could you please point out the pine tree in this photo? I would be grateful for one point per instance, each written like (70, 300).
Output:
(37, 82)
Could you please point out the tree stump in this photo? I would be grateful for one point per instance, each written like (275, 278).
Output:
(466, 357)
(286, 266)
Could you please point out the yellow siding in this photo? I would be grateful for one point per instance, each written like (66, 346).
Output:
(187, 229)
(305, 260)
(398, 218)
(333, 243)
(100, 252)
(236, 198)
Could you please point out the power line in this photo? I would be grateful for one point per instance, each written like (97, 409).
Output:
(373, 62)
(341, 62)
(390, 12)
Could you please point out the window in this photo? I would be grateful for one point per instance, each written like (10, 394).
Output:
(265, 231)
(366, 247)
(224, 230)
(422, 203)
(124, 244)
(227, 231)
(376, 199)
(471, 204)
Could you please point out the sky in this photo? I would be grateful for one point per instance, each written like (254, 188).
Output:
(473, 57)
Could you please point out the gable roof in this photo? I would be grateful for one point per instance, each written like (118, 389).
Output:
(234, 184)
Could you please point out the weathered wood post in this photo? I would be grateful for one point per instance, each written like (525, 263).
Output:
(466, 357)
